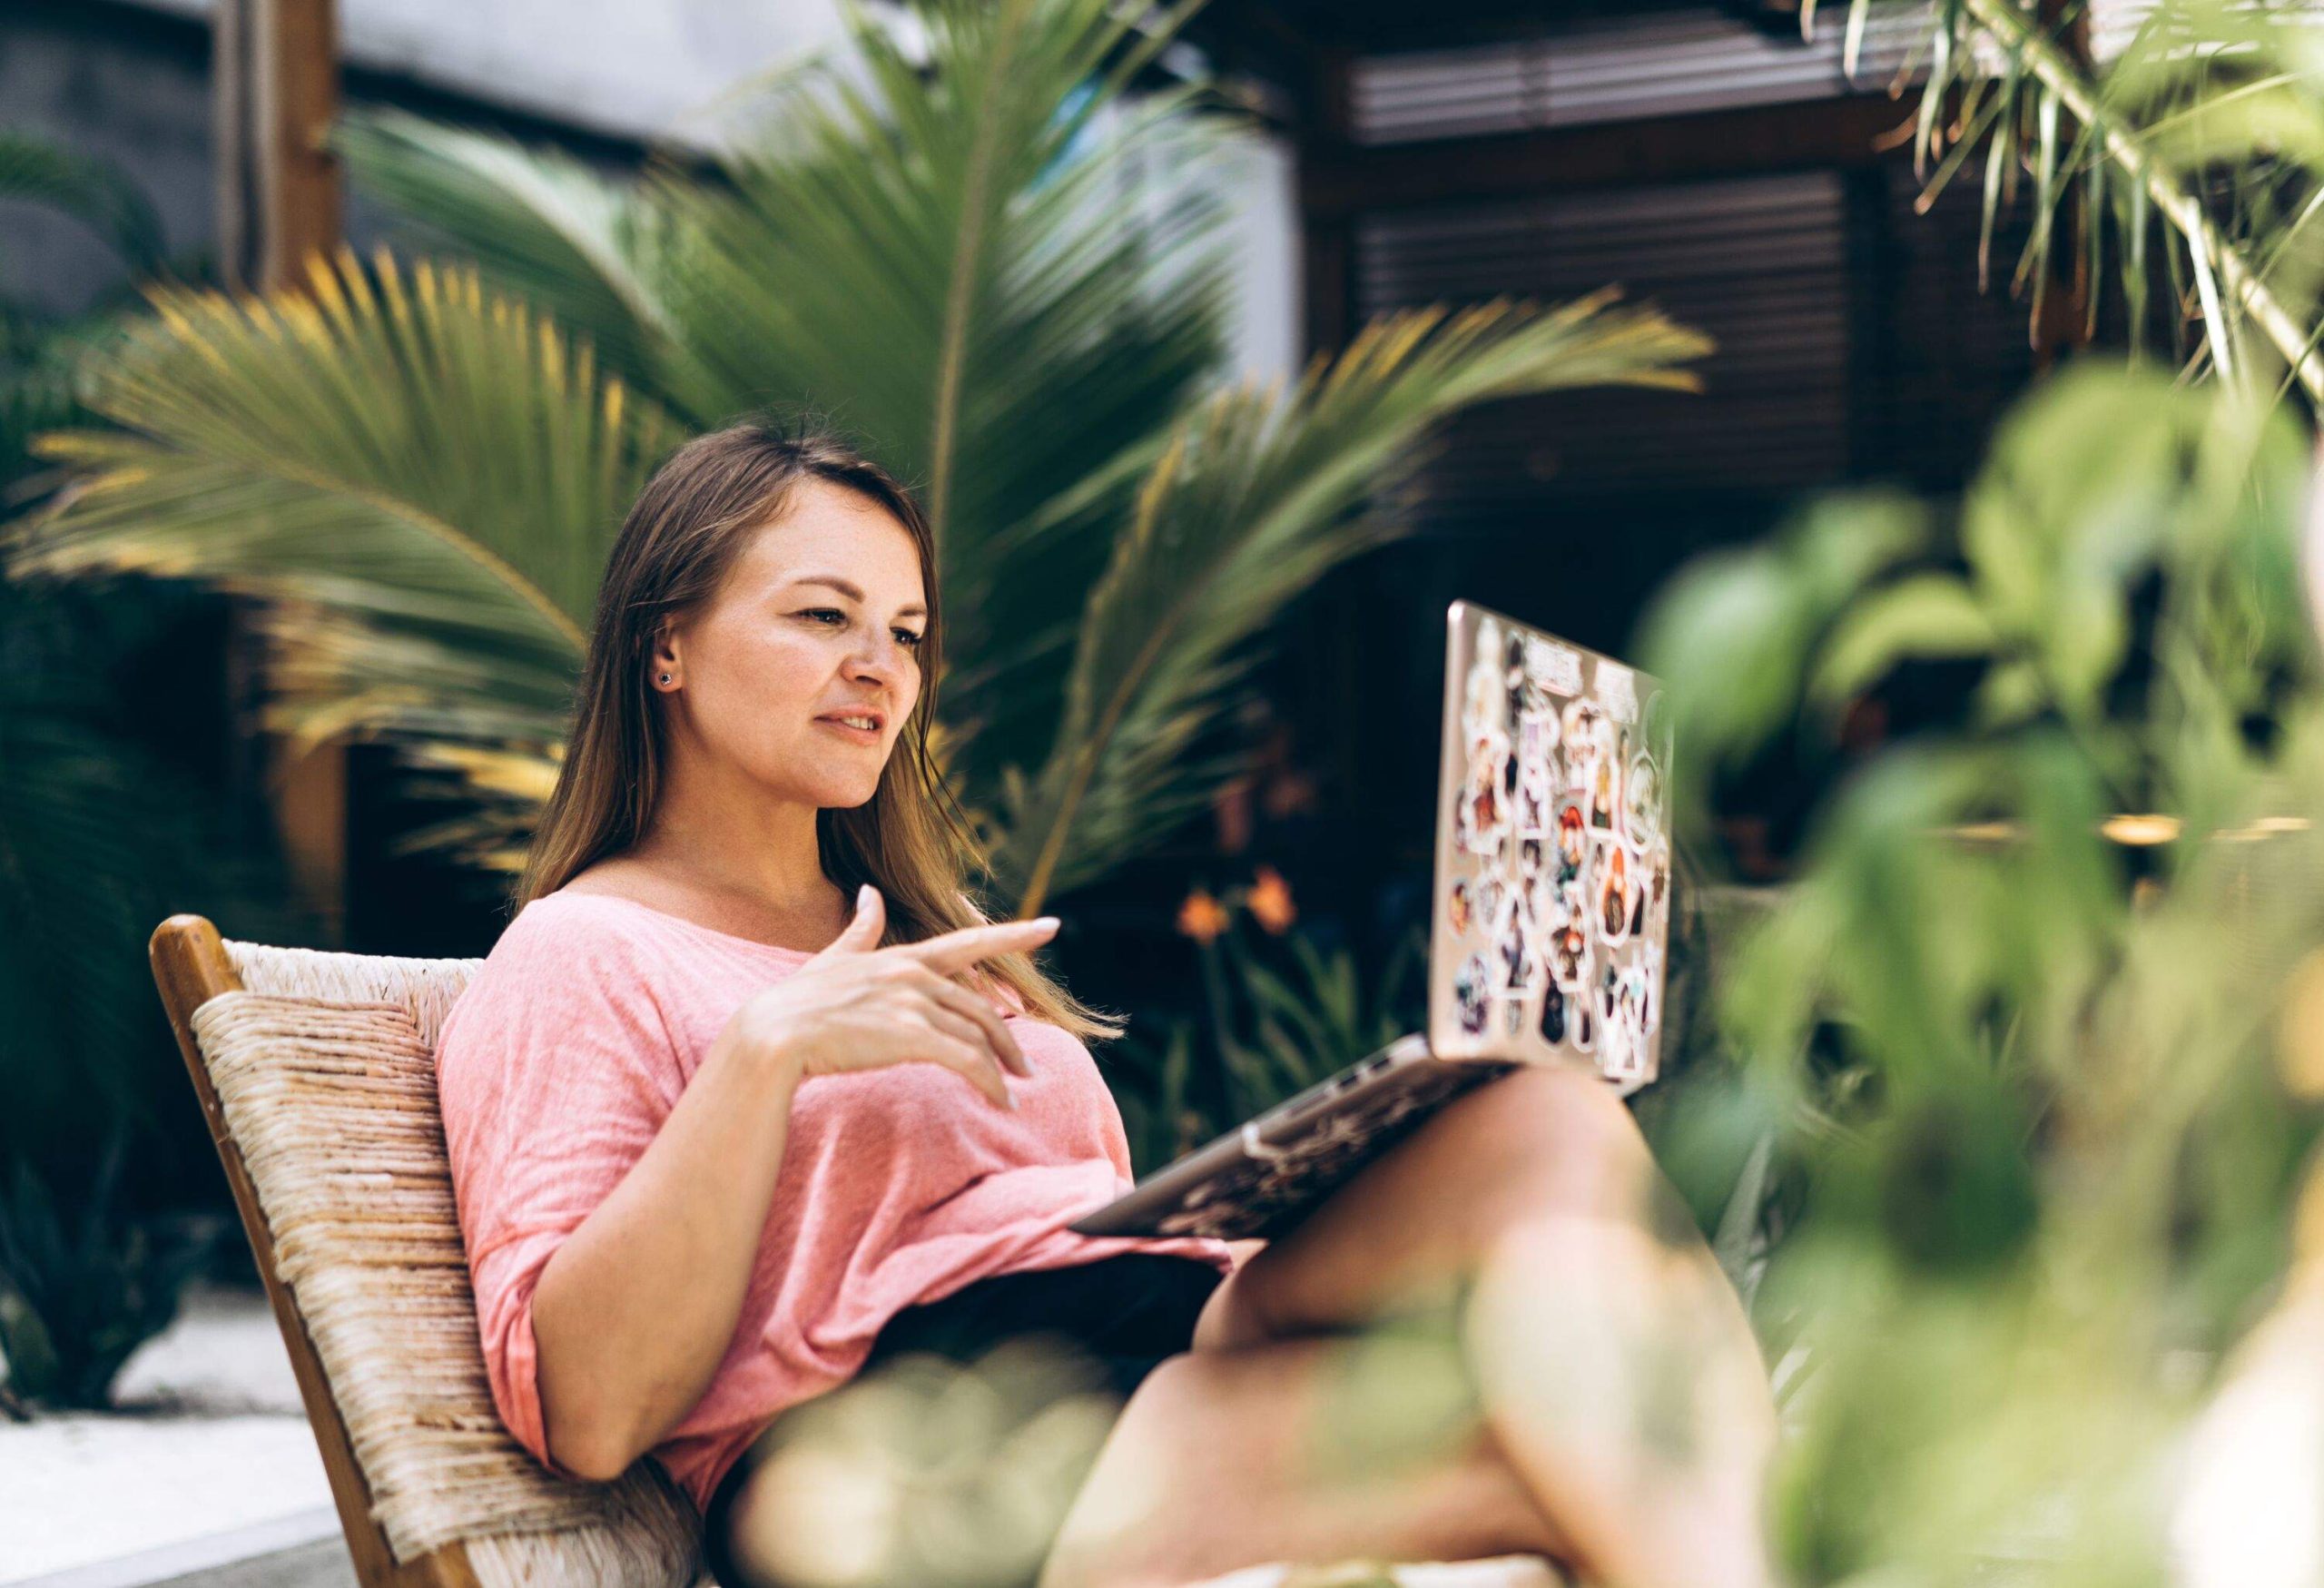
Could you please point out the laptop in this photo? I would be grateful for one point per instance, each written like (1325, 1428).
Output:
(1550, 919)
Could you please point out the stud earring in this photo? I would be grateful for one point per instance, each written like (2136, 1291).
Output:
(665, 677)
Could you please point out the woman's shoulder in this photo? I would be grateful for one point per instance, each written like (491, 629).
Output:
(562, 957)
(566, 927)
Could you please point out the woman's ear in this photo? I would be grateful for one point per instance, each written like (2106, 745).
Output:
(663, 663)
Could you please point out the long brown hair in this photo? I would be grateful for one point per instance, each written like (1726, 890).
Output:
(682, 534)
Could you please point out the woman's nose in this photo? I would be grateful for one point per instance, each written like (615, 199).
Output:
(882, 659)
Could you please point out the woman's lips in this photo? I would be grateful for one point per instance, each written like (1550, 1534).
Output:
(860, 735)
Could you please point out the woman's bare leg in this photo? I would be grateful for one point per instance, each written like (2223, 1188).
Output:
(1227, 1459)
(1619, 1377)
(1221, 1460)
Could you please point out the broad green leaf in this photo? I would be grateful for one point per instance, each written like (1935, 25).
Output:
(1926, 616)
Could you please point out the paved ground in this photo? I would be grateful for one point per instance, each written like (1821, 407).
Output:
(208, 1461)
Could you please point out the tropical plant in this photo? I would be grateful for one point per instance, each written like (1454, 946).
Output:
(2010, 1069)
(1280, 1012)
(39, 351)
(2206, 124)
(83, 1284)
(99, 836)
(950, 258)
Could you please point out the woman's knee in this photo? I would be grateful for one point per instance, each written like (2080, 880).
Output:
(1555, 1140)
(1106, 1538)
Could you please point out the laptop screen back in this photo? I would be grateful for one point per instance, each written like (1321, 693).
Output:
(1551, 899)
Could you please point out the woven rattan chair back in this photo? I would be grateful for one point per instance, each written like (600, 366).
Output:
(279, 1043)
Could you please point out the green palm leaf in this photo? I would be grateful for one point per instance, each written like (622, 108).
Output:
(2211, 119)
(94, 191)
(1253, 502)
(539, 224)
(428, 476)
(948, 264)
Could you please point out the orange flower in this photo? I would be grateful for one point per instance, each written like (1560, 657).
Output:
(1270, 902)
(1202, 917)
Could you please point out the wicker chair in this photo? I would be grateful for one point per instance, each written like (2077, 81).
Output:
(316, 1072)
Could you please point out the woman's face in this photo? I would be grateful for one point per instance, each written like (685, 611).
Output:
(817, 619)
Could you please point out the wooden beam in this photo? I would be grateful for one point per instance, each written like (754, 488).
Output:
(274, 95)
(274, 89)
(298, 100)
(1814, 134)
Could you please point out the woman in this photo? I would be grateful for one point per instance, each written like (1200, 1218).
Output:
(710, 1161)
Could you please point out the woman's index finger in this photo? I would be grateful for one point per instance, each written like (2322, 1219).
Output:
(957, 951)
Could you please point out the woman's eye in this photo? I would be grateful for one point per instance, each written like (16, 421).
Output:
(908, 640)
(820, 612)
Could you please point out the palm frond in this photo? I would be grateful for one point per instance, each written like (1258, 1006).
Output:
(537, 223)
(2212, 120)
(952, 265)
(99, 839)
(425, 475)
(1254, 500)
(94, 191)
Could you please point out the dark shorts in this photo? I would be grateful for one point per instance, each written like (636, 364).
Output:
(1126, 1312)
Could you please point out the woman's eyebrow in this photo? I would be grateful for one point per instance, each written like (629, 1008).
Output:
(853, 593)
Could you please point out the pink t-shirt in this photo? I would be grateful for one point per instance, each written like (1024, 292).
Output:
(898, 1186)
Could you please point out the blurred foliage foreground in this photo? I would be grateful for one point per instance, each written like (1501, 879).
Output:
(2027, 1064)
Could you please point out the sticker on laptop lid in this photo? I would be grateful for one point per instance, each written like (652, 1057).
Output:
(1617, 899)
(1553, 1017)
(1618, 689)
(1634, 993)
(1605, 793)
(1574, 839)
(1532, 811)
(1537, 742)
(1570, 957)
(1470, 988)
(1587, 737)
(1553, 667)
(1619, 1051)
(1643, 803)
(1515, 949)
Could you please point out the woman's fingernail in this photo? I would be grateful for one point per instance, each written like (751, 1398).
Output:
(864, 897)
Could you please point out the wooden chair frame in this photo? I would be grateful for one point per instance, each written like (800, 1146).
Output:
(191, 967)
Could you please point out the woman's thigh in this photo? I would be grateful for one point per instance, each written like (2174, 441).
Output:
(1302, 1450)
(1412, 1223)
(920, 1472)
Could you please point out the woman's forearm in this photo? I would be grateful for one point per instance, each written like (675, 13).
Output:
(635, 1311)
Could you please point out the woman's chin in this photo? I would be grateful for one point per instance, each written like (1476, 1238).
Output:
(847, 797)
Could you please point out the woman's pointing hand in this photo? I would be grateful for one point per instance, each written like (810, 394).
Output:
(858, 1006)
